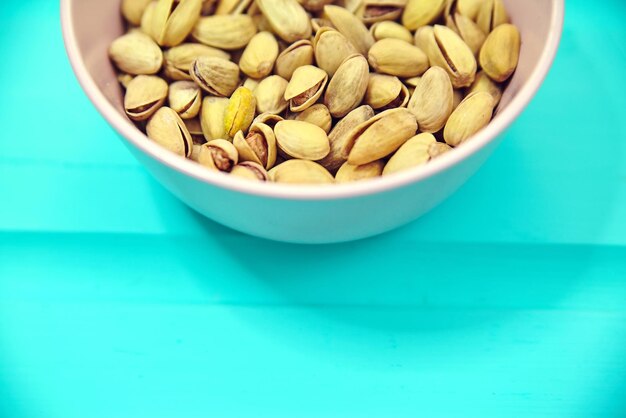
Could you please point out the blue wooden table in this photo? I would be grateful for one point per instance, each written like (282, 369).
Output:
(509, 300)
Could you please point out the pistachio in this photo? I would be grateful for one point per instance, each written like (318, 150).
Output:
(270, 95)
(133, 10)
(469, 31)
(145, 94)
(259, 145)
(351, 27)
(287, 18)
(319, 23)
(500, 53)
(300, 172)
(331, 49)
(306, 86)
(185, 98)
(437, 149)
(386, 92)
(225, 7)
(447, 50)
(167, 129)
(239, 112)
(318, 115)
(350, 173)
(484, 83)
(125, 79)
(387, 29)
(250, 171)
(268, 119)
(413, 153)
(146, 19)
(418, 13)
(301, 140)
(381, 10)
(173, 21)
(178, 60)
(491, 15)
(251, 84)
(259, 56)
(218, 155)
(413, 82)
(295, 56)
(380, 136)
(217, 76)
(228, 32)
(396, 57)
(432, 100)
(339, 137)
(348, 86)
(472, 115)
(469, 8)
(212, 117)
(314, 5)
(136, 53)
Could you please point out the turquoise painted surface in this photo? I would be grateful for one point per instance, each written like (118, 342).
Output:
(508, 300)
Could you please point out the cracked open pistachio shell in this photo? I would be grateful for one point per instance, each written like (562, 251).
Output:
(381, 10)
(185, 98)
(348, 86)
(287, 18)
(270, 95)
(432, 100)
(300, 172)
(484, 83)
(386, 92)
(295, 56)
(269, 119)
(301, 140)
(228, 32)
(395, 57)
(259, 145)
(136, 53)
(145, 94)
(472, 115)
(380, 136)
(173, 21)
(318, 115)
(491, 15)
(331, 49)
(349, 173)
(178, 60)
(351, 27)
(447, 50)
(259, 56)
(314, 5)
(239, 112)
(133, 10)
(418, 13)
(225, 7)
(250, 171)
(469, 31)
(387, 29)
(167, 129)
(437, 149)
(339, 137)
(212, 117)
(218, 155)
(413, 153)
(500, 52)
(216, 76)
(306, 86)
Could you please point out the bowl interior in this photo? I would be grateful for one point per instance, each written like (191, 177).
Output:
(91, 25)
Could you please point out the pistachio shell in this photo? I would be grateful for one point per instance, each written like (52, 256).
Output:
(331, 49)
(225, 7)
(125, 79)
(146, 19)
(396, 57)
(167, 129)
(270, 95)
(259, 56)
(306, 86)
(351, 27)
(380, 136)
(319, 23)
(469, 31)
(484, 83)
(136, 53)
(251, 84)
(381, 10)
(133, 10)
(239, 112)
(432, 100)
(178, 60)
(469, 8)
(387, 29)
(491, 15)
(212, 117)
(173, 21)
(258, 146)
(386, 92)
(302, 140)
(418, 13)
(194, 126)
(413, 153)
(185, 98)
(228, 32)
(350, 173)
(437, 149)
(300, 172)
(472, 115)
(287, 18)
(295, 56)
(217, 76)
(218, 155)
(145, 94)
(318, 115)
(195, 152)
(268, 119)
(250, 171)
(348, 86)
(500, 53)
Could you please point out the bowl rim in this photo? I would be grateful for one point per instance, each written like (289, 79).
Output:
(315, 192)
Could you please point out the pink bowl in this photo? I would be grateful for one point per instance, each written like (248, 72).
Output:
(307, 214)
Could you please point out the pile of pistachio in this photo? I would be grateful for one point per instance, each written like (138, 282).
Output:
(313, 91)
